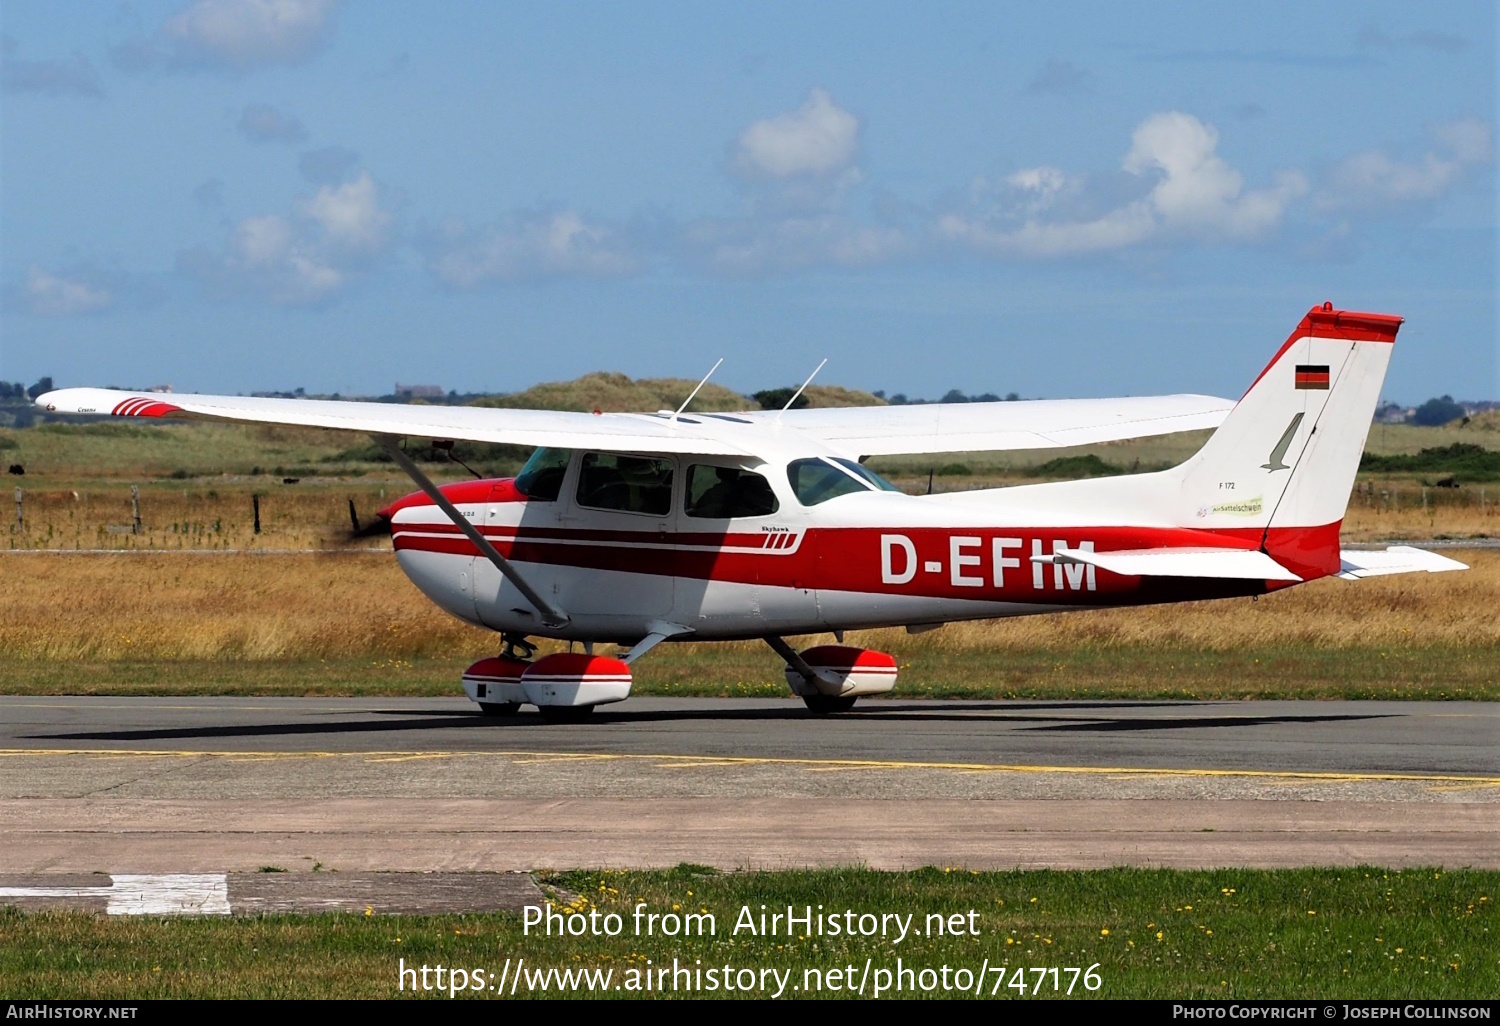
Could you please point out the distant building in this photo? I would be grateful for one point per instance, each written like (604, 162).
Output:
(419, 391)
(1391, 413)
(160, 388)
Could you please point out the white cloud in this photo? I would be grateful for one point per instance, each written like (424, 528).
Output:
(817, 139)
(52, 295)
(263, 123)
(1374, 178)
(69, 76)
(350, 215)
(304, 258)
(529, 246)
(235, 34)
(1196, 195)
(1199, 192)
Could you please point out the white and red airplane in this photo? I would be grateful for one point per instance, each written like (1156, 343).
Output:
(640, 528)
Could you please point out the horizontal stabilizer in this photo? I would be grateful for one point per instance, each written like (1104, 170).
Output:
(1398, 559)
(1239, 564)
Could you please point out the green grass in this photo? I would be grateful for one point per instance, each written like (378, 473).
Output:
(1084, 672)
(1314, 933)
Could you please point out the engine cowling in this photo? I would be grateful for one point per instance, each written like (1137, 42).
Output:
(845, 671)
(576, 679)
(496, 679)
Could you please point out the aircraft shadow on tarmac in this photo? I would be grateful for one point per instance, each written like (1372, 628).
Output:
(975, 713)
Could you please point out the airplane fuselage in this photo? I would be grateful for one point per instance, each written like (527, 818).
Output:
(867, 558)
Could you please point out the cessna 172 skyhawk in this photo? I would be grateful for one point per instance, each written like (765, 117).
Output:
(642, 528)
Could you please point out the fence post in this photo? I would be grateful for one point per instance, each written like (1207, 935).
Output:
(135, 509)
(255, 507)
(20, 517)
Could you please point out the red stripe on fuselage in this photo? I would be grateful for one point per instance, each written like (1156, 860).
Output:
(853, 559)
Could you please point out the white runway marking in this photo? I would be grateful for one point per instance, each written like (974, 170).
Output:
(171, 894)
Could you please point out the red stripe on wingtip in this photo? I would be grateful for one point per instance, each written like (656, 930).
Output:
(140, 407)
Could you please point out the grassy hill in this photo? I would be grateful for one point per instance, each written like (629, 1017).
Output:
(612, 392)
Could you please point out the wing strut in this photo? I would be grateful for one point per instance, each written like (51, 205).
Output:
(552, 616)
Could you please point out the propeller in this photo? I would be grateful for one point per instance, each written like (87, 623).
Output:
(376, 526)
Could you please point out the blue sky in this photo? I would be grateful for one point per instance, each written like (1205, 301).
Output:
(1059, 200)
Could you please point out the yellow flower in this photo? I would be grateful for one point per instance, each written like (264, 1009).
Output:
(1104, 933)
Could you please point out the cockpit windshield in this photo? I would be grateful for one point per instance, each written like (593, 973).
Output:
(819, 479)
(542, 478)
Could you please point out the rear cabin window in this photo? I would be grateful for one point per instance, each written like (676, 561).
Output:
(724, 493)
(542, 478)
(627, 484)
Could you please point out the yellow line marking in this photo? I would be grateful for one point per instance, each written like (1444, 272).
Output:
(522, 758)
(695, 765)
(418, 757)
(1465, 787)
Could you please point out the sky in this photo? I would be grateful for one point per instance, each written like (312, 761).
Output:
(1068, 199)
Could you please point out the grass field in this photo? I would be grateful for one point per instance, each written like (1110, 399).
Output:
(1328, 934)
(352, 624)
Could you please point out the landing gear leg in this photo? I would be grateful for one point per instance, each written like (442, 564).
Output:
(818, 703)
(515, 646)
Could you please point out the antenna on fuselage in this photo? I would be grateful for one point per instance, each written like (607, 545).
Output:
(695, 391)
(799, 391)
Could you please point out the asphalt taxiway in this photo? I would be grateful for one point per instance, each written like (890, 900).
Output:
(225, 784)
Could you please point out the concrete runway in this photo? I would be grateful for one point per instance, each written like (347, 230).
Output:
(173, 785)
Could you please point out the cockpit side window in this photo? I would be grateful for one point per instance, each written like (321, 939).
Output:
(627, 484)
(541, 479)
(818, 480)
(724, 493)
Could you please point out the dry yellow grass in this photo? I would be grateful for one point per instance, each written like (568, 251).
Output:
(246, 608)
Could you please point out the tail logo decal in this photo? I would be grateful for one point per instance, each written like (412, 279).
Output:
(1312, 377)
(1274, 463)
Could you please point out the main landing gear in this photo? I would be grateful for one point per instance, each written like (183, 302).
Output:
(829, 678)
(564, 686)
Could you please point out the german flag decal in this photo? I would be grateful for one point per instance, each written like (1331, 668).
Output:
(1312, 377)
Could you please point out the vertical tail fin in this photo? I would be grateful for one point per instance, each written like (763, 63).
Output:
(1282, 464)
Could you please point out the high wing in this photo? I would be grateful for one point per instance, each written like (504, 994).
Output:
(854, 431)
(610, 431)
(988, 427)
